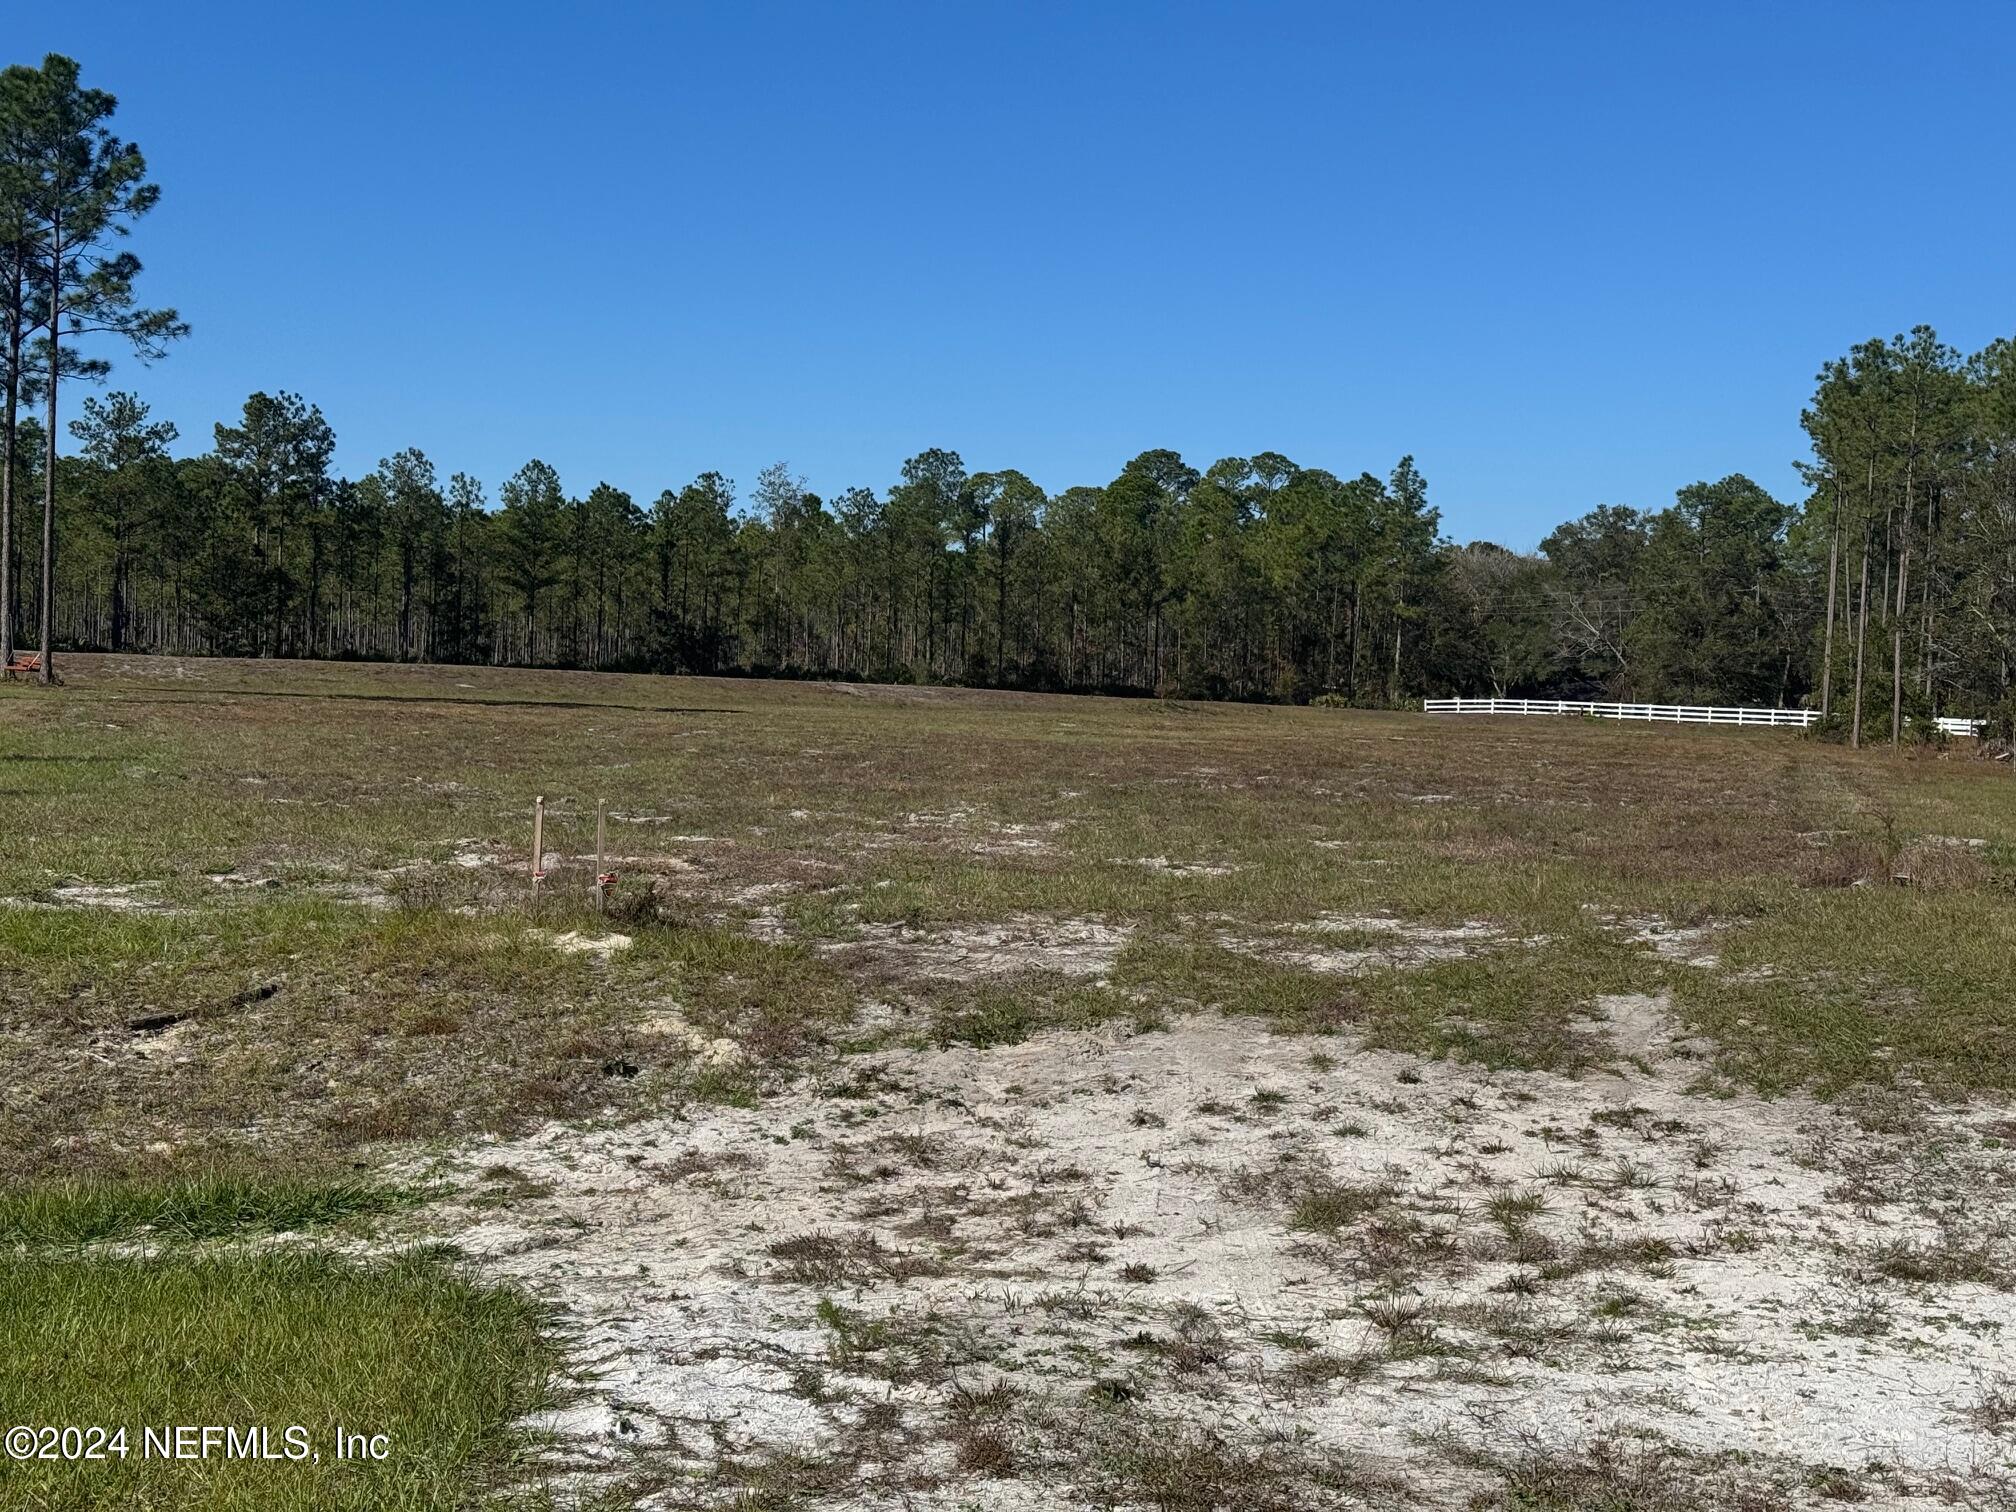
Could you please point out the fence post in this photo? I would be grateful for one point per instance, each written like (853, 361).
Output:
(598, 855)
(538, 845)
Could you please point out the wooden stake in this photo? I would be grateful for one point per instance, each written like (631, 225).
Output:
(538, 845)
(599, 873)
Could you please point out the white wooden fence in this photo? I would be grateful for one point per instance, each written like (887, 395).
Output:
(1797, 719)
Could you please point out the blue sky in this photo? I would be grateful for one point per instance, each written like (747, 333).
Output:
(1563, 254)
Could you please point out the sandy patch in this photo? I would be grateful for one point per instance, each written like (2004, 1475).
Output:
(950, 818)
(1111, 1206)
(363, 894)
(1641, 1027)
(1168, 868)
(240, 879)
(574, 942)
(124, 897)
(119, 897)
(1380, 940)
(1027, 942)
(1689, 944)
(665, 1021)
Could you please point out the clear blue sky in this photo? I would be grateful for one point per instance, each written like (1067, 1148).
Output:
(1563, 254)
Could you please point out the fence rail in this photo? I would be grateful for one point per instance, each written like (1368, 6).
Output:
(1797, 719)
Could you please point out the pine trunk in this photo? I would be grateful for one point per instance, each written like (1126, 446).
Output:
(48, 604)
(1861, 643)
(1833, 569)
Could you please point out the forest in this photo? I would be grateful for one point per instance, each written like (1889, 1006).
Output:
(1886, 592)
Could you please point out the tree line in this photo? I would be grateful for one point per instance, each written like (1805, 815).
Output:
(1887, 593)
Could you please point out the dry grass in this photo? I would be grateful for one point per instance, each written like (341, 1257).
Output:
(823, 1259)
(366, 972)
(1615, 1473)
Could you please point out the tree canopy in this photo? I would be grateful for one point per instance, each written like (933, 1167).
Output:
(1255, 577)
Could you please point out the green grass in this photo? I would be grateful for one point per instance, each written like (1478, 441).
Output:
(206, 1207)
(403, 1347)
(1864, 982)
(442, 1016)
(1519, 1007)
(1327, 1207)
(990, 1014)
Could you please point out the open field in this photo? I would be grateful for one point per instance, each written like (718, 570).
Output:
(990, 1100)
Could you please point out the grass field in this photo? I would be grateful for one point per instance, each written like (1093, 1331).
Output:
(1138, 1103)
(276, 1341)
